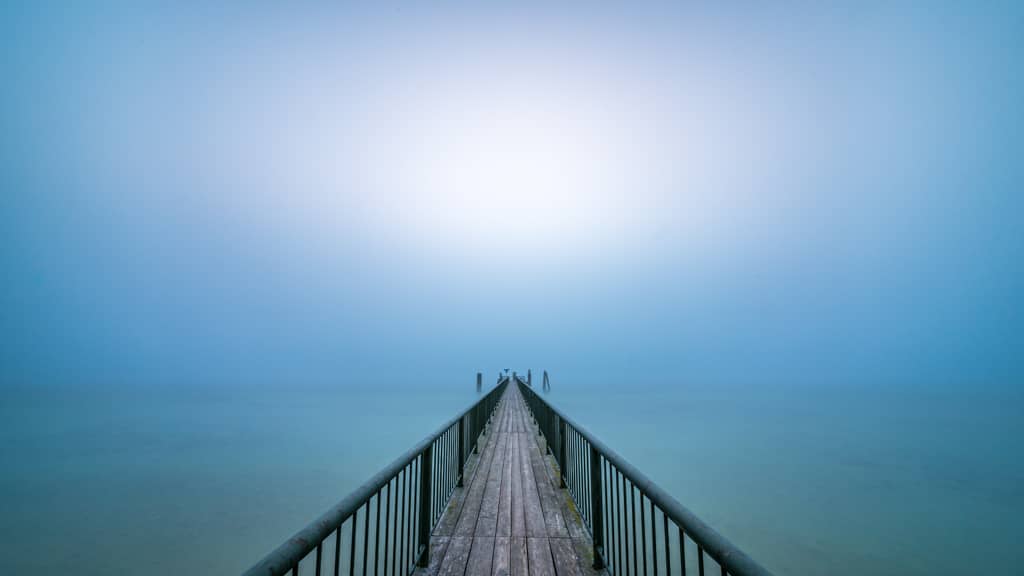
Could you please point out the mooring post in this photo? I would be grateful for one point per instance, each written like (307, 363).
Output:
(561, 453)
(596, 520)
(424, 528)
(462, 448)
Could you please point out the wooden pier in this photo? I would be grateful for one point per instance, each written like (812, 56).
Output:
(509, 486)
(510, 517)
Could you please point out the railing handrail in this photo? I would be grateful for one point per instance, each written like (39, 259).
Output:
(305, 540)
(716, 545)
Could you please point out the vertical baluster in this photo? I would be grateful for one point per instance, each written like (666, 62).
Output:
(654, 540)
(582, 459)
(632, 516)
(700, 559)
(399, 518)
(435, 471)
(682, 551)
(377, 536)
(584, 455)
(668, 547)
(574, 463)
(618, 525)
(595, 507)
(319, 554)
(405, 519)
(462, 449)
(440, 475)
(352, 544)
(337, 550)
(366, 534)
(416, 507)
(387, 526)
(643, 533)
(414, 511)
(587, 457)
(394, 539)
(561, 453)
(424, 505)
(609, 540)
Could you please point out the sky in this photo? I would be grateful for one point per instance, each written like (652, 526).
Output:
(244, 193)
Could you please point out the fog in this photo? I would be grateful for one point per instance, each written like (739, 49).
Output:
(249, 192)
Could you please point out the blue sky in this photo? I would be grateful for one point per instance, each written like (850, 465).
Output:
(258, 193)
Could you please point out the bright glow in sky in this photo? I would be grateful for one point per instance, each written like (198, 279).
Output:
(825, 192)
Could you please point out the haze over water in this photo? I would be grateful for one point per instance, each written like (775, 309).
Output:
(251, 254)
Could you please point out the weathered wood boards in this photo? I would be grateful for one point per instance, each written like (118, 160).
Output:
(511, 518)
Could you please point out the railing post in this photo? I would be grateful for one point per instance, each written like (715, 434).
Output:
(477, 429)
(561, 453)
(596, 519)
(424, 528)
(548, 436)
(462, 448)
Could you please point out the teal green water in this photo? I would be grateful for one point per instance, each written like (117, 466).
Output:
(809, 480)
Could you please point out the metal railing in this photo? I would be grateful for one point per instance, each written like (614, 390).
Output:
(383, 528)
(624, 510)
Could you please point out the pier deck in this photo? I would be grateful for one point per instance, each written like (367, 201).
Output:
(510, 517)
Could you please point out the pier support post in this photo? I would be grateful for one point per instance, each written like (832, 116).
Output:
(462, 449)
(596, 519)
(426, 458)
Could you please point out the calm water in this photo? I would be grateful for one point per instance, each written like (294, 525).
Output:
(809, 480)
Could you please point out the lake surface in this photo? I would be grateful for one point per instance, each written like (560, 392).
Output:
(852, 479)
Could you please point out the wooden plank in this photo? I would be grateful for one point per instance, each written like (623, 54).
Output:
(504, 523)
(487, 523)
(502, 556)
(564, 556)
(518, 519)
(535, 524)
(455, 558)
(549, 500)
(474, 497)
(480, 557)
(541, 563)
(506, 415)
(514, 416)
(517, 556)
(570, 514)
(522, 416)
